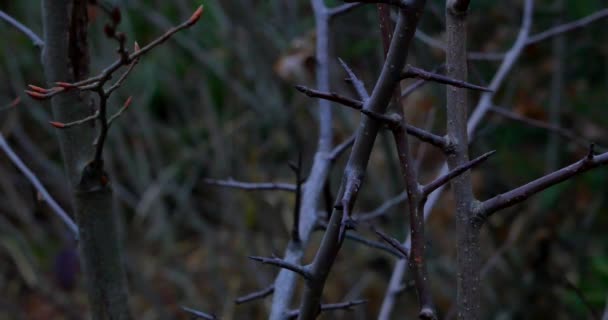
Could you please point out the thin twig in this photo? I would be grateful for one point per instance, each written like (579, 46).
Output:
(442, 180)
(21, 27)
(251, 186)
(55, 207)
(421, 134)
(517, 195)
(393, 242)
(331, 96)
(330, 307)
(255, 295)
(199, 314)
(356, 82)
(566, 27)
(304, 271)
(341, 148)
(413, 72)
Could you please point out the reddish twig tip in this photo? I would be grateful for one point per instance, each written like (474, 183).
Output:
(65, 85)
(136, 47)
(128, 102)
(196, 15)
(59, 125)
(36, 95)
(37, 88)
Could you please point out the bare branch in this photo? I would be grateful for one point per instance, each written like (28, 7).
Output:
(304, 271)
(383, 209)
(330, 307)
(255, 295)
(339, 149)
(55, 207)
(393, 242)
(25, 30)
(199, 314)
(331, 96)
(359, 157)
(442, 180)
(563, 28)
(251, 186)
(517, 195)
(413, 72)
(390, 119)
(357, 84)
(372, 244)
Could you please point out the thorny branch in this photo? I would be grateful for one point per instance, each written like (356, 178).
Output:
(355, 170)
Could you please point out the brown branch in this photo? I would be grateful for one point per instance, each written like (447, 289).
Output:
(440, 181)
(304, 271)
(251, 186)
(519, 194)
(255, 295)
(413, 72)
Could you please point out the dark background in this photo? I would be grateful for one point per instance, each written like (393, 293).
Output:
(218, 101)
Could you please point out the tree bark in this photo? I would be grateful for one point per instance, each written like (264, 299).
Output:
(467, 250)
(65, 58)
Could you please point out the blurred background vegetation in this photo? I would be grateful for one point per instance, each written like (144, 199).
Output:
(218, 101)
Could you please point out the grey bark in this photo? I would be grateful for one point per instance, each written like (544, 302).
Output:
(65, 58)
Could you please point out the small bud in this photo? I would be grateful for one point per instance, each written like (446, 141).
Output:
(65, 85)
(38, 89)
(36, 95)
(59, 125)
(196, 15)
(127, 103)
(116, 15)
(120, 36)
(136, 47)
(109, 31)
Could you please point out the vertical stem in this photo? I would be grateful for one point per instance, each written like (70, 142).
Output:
(467, 250)
(557, 85)
(360, 154)
(285, 282)
(65, 58)
(416, 210)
